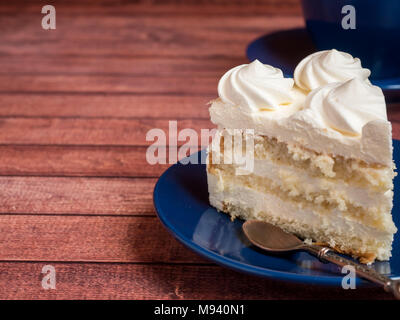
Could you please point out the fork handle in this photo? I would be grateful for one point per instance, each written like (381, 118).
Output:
(363, 271)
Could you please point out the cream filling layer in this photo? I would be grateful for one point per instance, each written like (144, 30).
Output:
(298, 182)
(335, 224)
(234, 144)
(322, 201)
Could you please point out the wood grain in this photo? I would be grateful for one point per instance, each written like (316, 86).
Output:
(108, 84)
(108, 106)
(151, 281)
(94, 161)
(60, 131)
(393, 112)
(128, 65)
(89, 238)
(120, 35)
(84, 196)
(140, 30)
(162, 7)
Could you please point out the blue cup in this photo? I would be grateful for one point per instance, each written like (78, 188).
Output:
(375, 39)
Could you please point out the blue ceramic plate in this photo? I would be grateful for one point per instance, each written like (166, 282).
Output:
(181, 201)
(285, 49)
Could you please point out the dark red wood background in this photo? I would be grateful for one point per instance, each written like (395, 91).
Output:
(75, 106)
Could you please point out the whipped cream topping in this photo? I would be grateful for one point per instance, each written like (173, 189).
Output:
(345, 117)
(347, 107)
(323, 67)
(255, 87)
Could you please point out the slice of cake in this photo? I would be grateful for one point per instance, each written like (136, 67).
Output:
(311, 155)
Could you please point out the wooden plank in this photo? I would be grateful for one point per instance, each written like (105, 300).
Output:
(396, 130)
(104, 106)
(132, 281)
(88, 239)
(161, 7)
(393, 112)
(138, 36)
(103, 161)
(118, 65)
(105, 84)
(157, 28)
(89, 131)
(86, 196)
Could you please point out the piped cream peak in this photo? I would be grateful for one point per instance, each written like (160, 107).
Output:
(347, 107)
(328, 66)
(256, 86)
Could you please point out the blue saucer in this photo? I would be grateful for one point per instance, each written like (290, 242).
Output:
(181, 202)
(285, 49)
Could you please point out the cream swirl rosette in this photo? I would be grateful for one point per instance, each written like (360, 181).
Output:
(347, 107)
(256, 87)
(329, 66)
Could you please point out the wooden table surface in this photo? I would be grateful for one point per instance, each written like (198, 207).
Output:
(75, 106)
